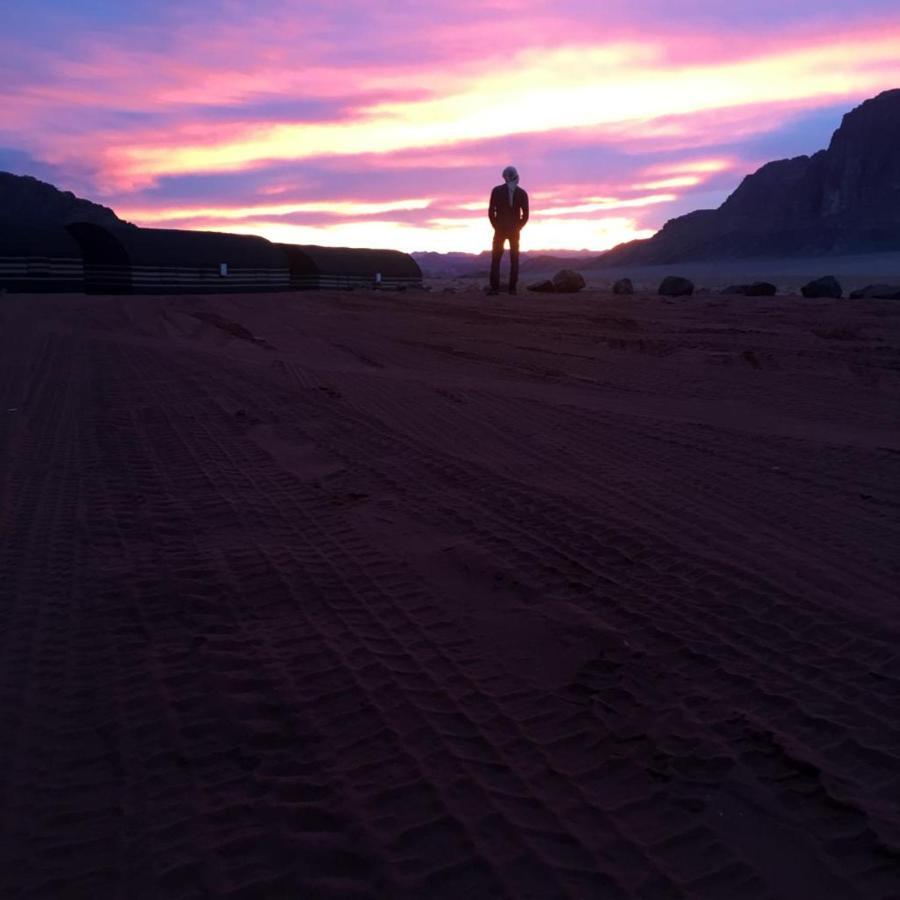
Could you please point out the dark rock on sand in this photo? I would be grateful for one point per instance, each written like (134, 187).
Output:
(543, 287)
(877, 292)
(756, 289)
(623, 286)
(673, 286)
(828, 286)
(567, 281)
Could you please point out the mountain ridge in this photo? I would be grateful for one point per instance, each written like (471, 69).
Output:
(843, 199)
(29, 200)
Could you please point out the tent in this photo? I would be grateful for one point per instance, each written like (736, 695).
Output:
(129, 260)
(124, 259)
(345, 267)
(38, 259)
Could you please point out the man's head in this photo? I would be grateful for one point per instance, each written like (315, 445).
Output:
(510, 175)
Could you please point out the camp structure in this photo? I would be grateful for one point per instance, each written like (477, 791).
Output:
(130, 260)
(125, 259)
(342, 268)
(38, 259)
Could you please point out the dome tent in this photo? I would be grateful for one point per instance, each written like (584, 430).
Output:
(159, 261)
(124, 259)
(314, 267)
(38, 259)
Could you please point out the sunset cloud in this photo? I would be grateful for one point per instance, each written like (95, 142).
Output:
(568, 89)
(336, 208)
(368, 125)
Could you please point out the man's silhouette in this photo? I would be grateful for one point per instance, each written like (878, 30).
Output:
(508, 212)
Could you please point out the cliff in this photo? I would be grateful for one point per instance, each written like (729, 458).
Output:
(845, 199)
(27, 201)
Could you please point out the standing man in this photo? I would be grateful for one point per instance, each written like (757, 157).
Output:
(508, 212)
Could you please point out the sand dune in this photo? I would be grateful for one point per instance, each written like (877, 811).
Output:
(434, 595)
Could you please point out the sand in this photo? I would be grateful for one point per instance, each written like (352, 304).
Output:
(445, 596)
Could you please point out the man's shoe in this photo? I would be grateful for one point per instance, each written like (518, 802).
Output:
(493, 292)
(513, 291)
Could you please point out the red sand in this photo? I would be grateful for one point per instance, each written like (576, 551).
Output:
(443, 596)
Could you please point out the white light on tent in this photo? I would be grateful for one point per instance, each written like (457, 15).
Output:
(223, 269)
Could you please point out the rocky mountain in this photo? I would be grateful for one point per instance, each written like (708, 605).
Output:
(25, 200)
(477, 265)
(845, 199)
(450, 265)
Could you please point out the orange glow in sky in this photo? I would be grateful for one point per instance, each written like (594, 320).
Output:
(390, 129)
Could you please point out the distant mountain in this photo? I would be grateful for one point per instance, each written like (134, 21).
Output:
(25, 200)
(476, 265)
(845, 199)
(450, 265)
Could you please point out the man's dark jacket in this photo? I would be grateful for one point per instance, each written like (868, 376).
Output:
(507, 219)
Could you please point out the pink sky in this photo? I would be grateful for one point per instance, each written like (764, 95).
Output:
(387, 125)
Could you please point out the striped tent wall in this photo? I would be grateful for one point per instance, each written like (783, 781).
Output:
(107, 268)
(350, 282)
(41, 274)
(39, 260)
(125, 259)
(207, 279)
(132, 260)
(342, 268)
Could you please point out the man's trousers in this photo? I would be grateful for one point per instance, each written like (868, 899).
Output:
(500, 237)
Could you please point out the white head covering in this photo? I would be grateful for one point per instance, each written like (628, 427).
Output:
(511, 177)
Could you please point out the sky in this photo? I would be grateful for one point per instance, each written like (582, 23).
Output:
(385, 123)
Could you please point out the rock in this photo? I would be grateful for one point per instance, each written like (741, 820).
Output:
(750, 357)
(673, 286)
(567, 281)
(828, 286)
(543, 287)
(623, 286)
(877, 292)
(756, 289)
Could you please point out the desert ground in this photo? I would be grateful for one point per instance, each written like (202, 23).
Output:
(436, 595)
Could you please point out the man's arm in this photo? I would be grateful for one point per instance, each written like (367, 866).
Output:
(524, 218)
(492, 209)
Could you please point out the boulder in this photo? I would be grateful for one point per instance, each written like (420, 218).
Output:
(673, 286)
(623, 286)
(568, 282)
(828, 286)
(761, 289)
(543, 287)
(877, 292)
(756, 289)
